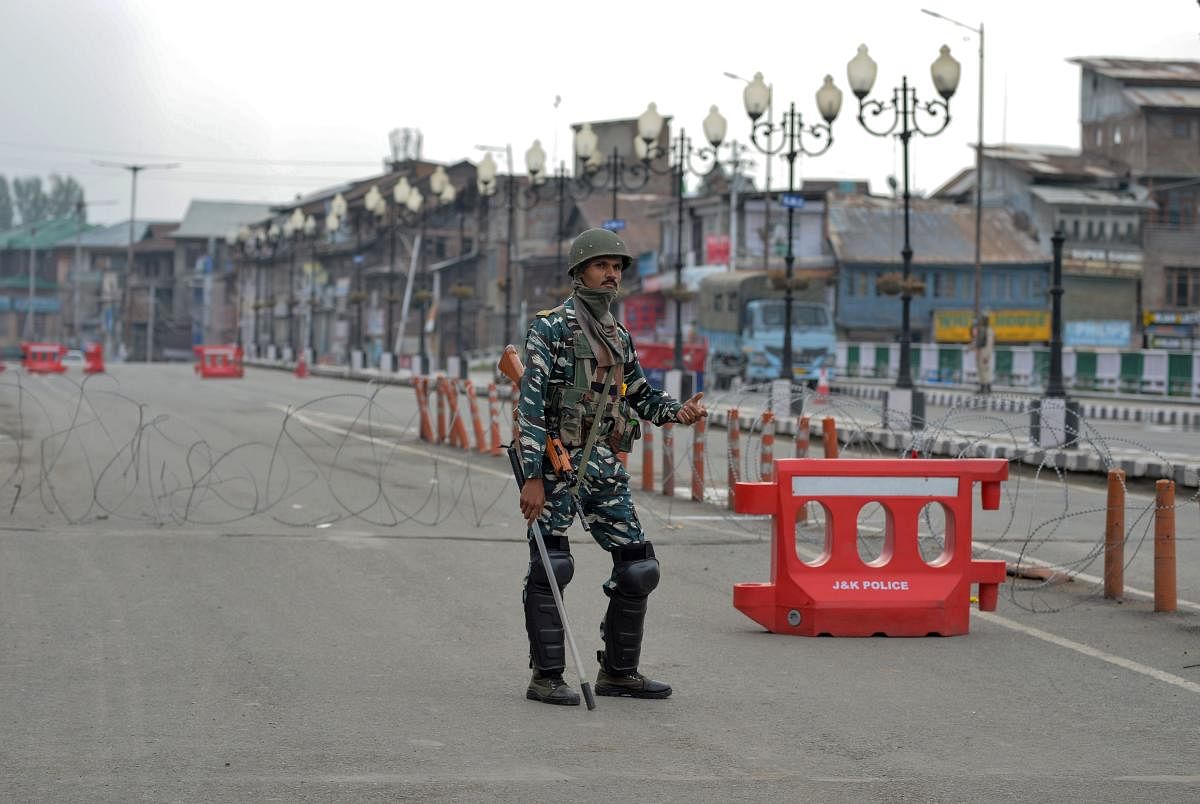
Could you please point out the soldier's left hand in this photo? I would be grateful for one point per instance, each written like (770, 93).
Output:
(692, 411)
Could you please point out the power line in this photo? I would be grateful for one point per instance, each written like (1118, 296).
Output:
(81, 168)
(215, 159)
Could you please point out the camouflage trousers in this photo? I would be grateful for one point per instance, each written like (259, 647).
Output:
(605, 498)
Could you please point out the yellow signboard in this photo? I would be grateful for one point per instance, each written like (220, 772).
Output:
(1010, 326)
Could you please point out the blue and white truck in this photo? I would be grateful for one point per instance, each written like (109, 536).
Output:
(741, 315)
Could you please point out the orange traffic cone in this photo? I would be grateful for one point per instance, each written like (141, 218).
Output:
(822, 395)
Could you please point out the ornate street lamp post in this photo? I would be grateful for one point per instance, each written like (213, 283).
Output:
(1054, 419)
(904, 405)
(485, 173)
(757, 98)
(683, 162)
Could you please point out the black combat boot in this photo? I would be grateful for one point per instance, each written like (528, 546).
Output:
(635, 576)
(627, 683)
(551, 689)
(547, 652)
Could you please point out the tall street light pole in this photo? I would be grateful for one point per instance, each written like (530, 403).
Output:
(757, 98)
(1054, 419)
(978, 312)
(535, 164)
(904, 406)
(134, 170)
(714, 132)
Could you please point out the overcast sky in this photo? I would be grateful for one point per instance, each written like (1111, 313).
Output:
(259, 100)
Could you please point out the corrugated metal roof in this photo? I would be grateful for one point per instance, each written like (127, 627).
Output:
(871, 230)
(48, 233)
(1086, 197)
(205, 219)
(1052, 161)
(1151, 71)
(117, 235)
(1164, 97)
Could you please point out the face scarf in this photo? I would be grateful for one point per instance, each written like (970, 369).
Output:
(597, 322)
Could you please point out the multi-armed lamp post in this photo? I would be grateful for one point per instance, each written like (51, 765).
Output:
(757, 98)
(904, 405)
(684, 159)
(409, 208)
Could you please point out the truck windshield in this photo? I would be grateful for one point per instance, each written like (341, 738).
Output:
(803, 315)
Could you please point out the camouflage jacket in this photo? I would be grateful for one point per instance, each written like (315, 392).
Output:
(551, 349)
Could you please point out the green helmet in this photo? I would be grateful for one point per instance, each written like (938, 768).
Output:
(597, 243)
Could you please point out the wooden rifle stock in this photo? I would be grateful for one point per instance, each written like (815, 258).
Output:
(510, 366)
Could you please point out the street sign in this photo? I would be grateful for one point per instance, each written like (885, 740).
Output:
(791, 200)
(614, 224)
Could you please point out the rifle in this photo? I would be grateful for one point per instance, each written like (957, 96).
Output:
(510, 366)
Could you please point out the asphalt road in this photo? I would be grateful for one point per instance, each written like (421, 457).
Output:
(268, 589)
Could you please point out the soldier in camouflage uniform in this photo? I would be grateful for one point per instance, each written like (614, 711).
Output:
(580, 365)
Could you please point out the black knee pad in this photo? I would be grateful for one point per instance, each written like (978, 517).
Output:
(636, 569)
(561, 561)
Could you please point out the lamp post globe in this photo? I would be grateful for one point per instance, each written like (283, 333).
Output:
(535, 162)
(585, 142)
(649, 124)
(438, 180)
(714, 126)
(401, 190)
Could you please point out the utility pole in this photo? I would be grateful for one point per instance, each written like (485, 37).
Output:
(133, 169)
(736, 149)
(978, 305)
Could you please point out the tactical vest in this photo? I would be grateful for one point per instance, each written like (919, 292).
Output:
(570, 410)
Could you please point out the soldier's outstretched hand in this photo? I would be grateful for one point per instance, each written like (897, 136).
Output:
(692, 411)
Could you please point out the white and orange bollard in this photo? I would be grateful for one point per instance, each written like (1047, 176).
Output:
(668, 460)
(476, 419)
(458, 427)
(440, 389)
(698, 431)
(1164, 546)
(802, 433)
(767, 456)
(494, 418)
(421, 386)
(829, 436)
(1114, 537)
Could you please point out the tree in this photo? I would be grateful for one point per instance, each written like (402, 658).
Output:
(65, 196)
(32, 203)
(6, 206)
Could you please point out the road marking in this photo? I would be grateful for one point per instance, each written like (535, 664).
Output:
(1088, 650)
(1078, 647)
(1129, 590)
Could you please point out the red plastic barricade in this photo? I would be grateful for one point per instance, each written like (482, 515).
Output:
(898, 594)
(43, 358)
(219, 361)
(93, 358)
